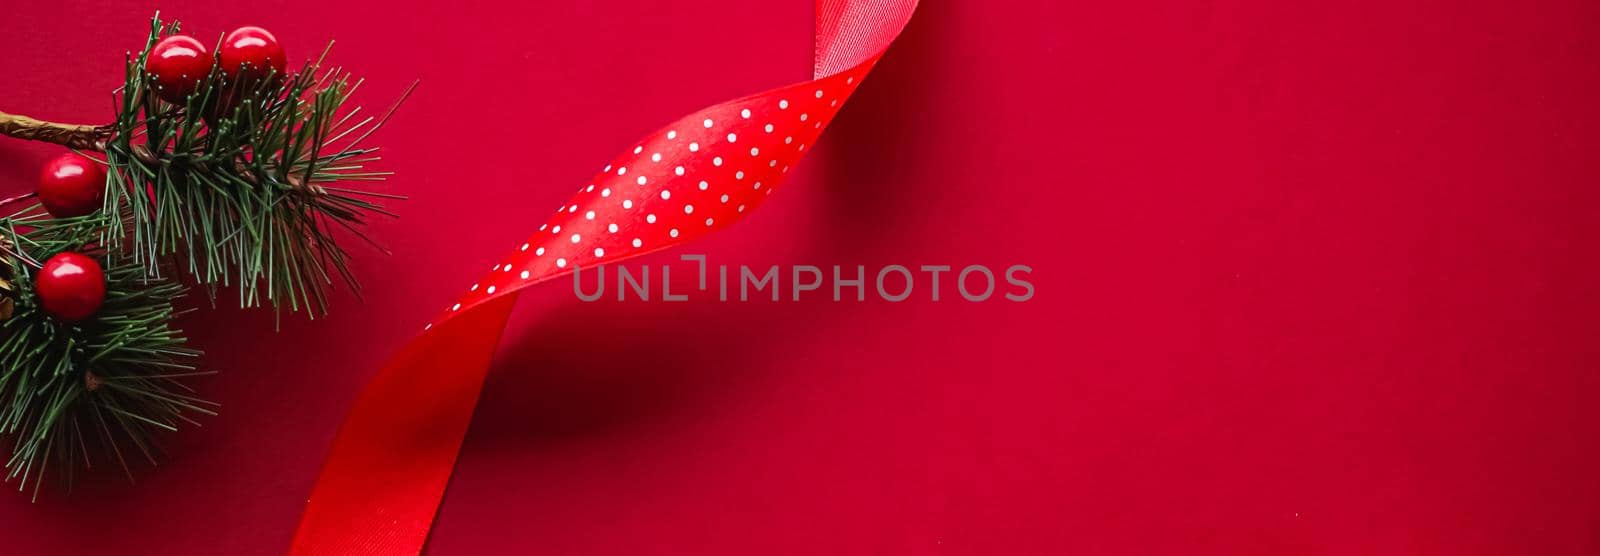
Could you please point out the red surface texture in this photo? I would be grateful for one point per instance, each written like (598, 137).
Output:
(1311, 279)
(388, 467)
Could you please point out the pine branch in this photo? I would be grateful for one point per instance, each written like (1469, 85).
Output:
(72, 136)
(118, 370)
(239, 184)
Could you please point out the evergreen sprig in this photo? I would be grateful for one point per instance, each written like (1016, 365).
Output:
(69, 391)
(247, 182)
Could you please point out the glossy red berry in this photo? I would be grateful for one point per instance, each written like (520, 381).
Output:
(71, 286)
(177, 64)
(72, 185)
(251, 53)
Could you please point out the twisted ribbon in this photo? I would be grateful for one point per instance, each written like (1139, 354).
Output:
(389, 464)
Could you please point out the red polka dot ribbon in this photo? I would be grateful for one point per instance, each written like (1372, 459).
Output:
(381, 485)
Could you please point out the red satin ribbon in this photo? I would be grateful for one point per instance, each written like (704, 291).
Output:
(381, 485)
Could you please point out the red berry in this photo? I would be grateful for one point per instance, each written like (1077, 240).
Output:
(251, 53)
(71, 286)
(177, 64)
(72, 185)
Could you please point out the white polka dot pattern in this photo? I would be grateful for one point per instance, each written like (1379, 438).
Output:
(359, 501)
(693, 177)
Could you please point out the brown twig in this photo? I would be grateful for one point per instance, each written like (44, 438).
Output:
(8, 250)
(92, 382)
(93, 138)
(8, 289)
(73, 136)
(8, 305)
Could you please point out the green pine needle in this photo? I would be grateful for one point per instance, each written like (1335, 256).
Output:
(243, 197)
(71, 393)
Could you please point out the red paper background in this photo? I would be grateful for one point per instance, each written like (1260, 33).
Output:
(1311, 279)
